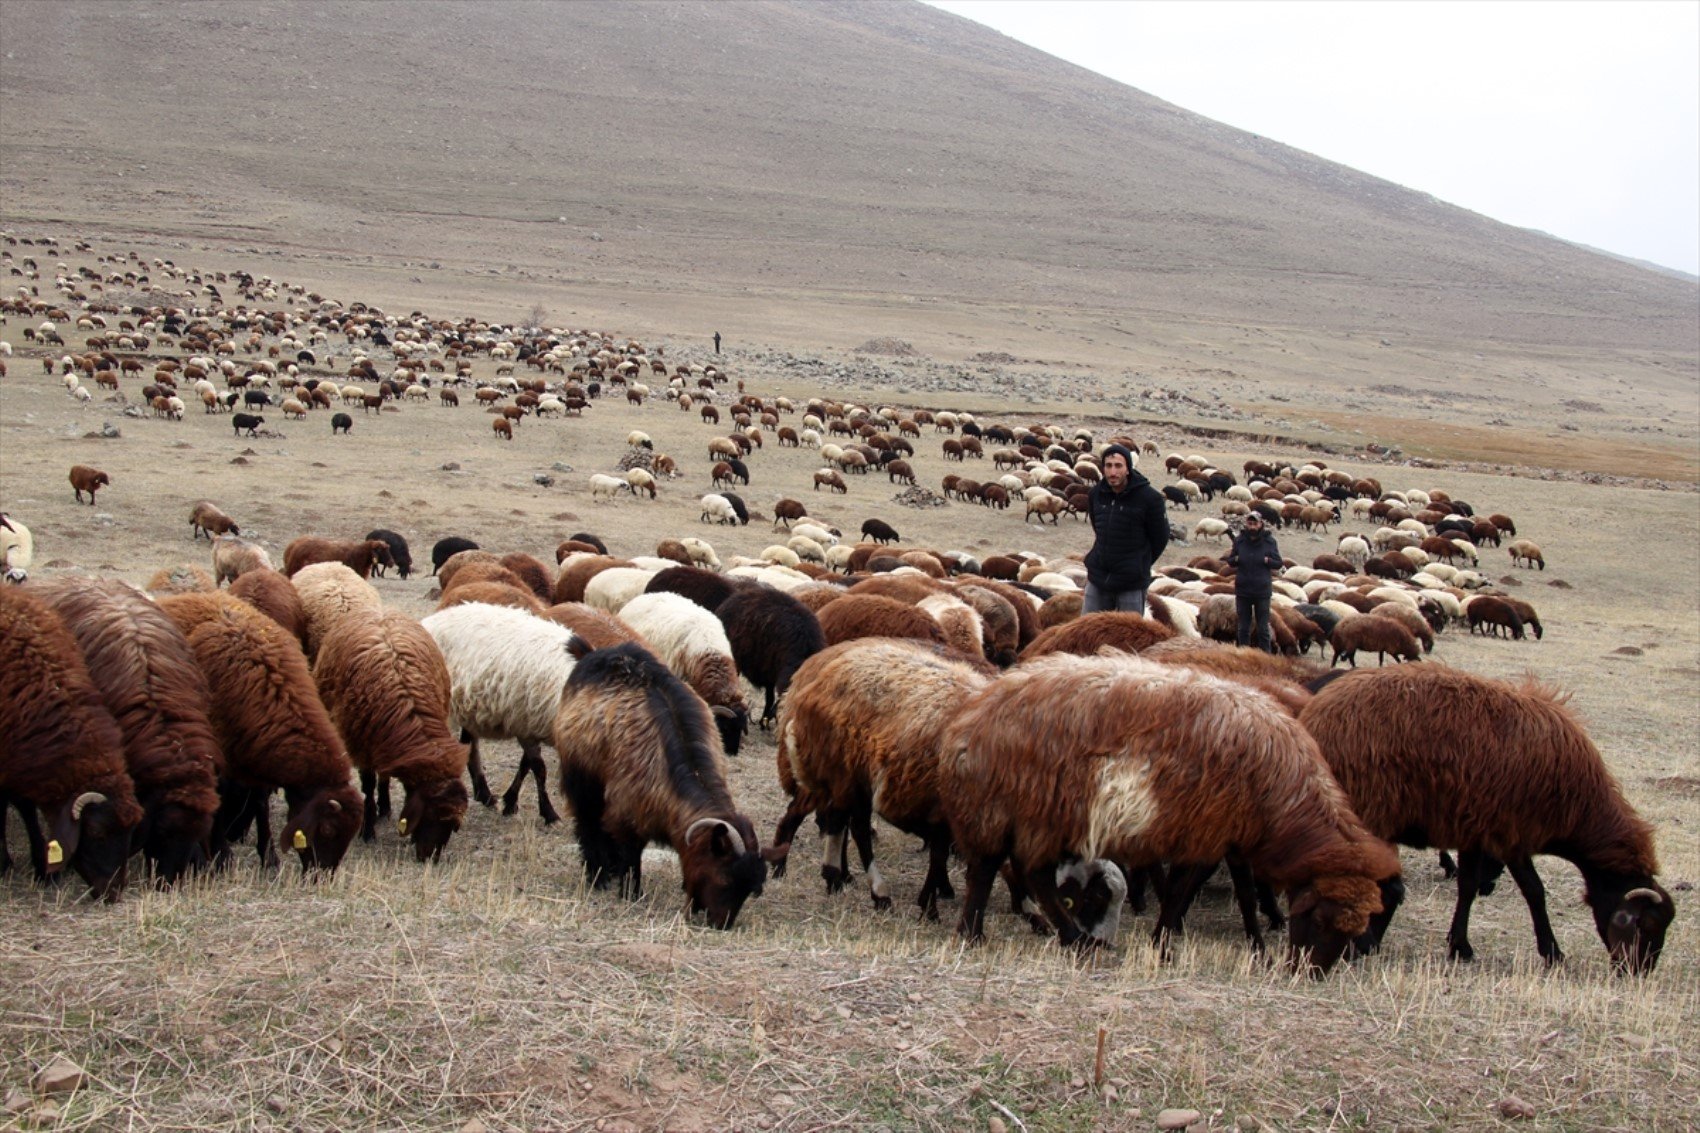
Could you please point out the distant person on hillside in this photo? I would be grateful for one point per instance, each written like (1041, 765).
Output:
(1131, 525)
(1255, 558)
(717, 342)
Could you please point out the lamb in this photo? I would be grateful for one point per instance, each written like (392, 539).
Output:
(1087, 634)
(331, 593)
(400, 555)
(274, 730)
(1383, 635)
(692, 642)
(639, 764)
(1524, 552)
(60, 749)
(206, 519)
(87, 479)
(1071, 758)
(386, 686)
(274, 596)
(357, 555)
(771, 634)
(155, 691)
(506, 671)
(1431, 756)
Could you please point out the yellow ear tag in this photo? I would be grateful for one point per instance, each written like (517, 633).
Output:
(55, 853)
(300, 840)
(401, 826)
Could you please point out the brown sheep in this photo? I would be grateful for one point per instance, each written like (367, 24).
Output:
(1431, 756)
(490, 592)
(597, 628)
(532, 574)
(1113, 756)
(999, 621)
(1384, 635)
(150, 682)
(357, 555)
(330, 592)
(1491, 613)
(274, 596)
(869, 615)
(185, 579)
(385, 683)
(576, 573)
(464, 560)
(206, 519)
(274, 730)
(60, 749)
(86, 479)
(833, 481)
(1085, 635)
(1523, 551)
(502, 427)
(233, 558)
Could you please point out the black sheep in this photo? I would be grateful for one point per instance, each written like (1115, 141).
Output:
(771, 634)
(447, 548)
(398, 551)
(249, 421)
(704, 587)
(587, 537)
(341, 423)
(742, 511)
(880, 531)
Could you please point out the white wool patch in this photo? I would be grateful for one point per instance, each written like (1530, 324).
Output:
(1123, 807)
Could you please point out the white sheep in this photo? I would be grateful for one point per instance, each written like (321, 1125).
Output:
(815, 531)
(611, 589)
(506, 672)
(701, 553)
(692, 642)
(330, 592)
(602, 484)
(807, 549)
(1208, 528)
(640, 480)
(17, 549)
(637, 438)
(1354, 549)
(718, 509)
(782, 556)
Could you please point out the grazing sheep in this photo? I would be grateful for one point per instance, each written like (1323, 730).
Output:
(150, 682)
(330, 593)
(1523, 551)
(601, 484)
(640, 765)
(17, 549)
(357, 555)
(400, 555)
(1431, 756)
(274, 596)
(771, 634)
(60, 749)
(206, 519)
(611, 589)
(692, 642)
(831, 479)
(872, 615)
(879, 531)
(187, 579)
(251, 422)
(1490, 613)
(1209, 528)
(506, 671)
(386, 686)
(596, 628)
(274, 730)
(1071, 758)
(447, 548)
(704, 587)
(87, 479)
(1383, 635)
(1087, 634)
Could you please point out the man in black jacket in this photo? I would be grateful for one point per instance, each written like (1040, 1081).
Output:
(1255, 558)
(1131, 523)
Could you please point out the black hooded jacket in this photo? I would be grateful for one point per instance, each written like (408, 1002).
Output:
(1255, 559)
(1132, 528)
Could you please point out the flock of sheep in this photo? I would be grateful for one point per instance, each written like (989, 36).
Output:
(964, 699)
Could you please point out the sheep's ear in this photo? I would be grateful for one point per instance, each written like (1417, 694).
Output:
(578, 648)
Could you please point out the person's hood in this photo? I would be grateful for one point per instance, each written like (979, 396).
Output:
(1135, 478)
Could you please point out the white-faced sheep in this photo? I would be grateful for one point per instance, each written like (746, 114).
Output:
(640, 764)
(386, 686)
(506, 672)
(1431, 756)
(17, 549)
(1072, 758)
(692, 642)
(603, 485)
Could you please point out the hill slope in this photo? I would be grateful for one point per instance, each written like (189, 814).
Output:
(850, 148)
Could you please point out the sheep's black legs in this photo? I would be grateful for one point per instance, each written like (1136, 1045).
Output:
(937, 882)
(1392, 896)
(862, 830)
(531, 761)
(1247, 895)
(1469, 878)
(977, 890)
(1523, 873)
(369, 815)
(475, 768)
(835, 850)
(787, 830)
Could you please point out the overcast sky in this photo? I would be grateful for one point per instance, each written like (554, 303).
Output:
(1580, 119)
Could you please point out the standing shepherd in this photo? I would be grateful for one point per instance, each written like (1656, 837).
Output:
(717, 342)
(1131, 522)
(1255, 558)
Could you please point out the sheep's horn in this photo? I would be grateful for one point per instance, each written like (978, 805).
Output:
(723, 711)
(691, 830)
(87, 798)
(1652, 895)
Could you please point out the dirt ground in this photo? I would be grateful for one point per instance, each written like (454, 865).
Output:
(493, 988)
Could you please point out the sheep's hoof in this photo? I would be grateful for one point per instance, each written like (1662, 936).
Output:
(834, 878)
(1461, 952)
(550, 817)
(510, 806)
(881, 903)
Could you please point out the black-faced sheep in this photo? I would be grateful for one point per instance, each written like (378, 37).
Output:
(879, 531)
(61, 750)
(692, 642)
(1082, 758)
(155, 691)
(17, 549)
(1431, 756)
(447, 548)
(251, 422)
(771, 634)
(358, 556)
(86, 479)
(274, 730)
(1523, 552)
(640, 764)
(387, 688)
(506, 672)
(206, 519)
(400, 555)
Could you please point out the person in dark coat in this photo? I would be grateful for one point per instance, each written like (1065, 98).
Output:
(1255, 558)
(717, 342)
(1131, 525)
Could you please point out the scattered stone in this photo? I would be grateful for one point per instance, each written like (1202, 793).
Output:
(1638, 1042)
(451, 466)
(560, 466)
(133, 411)
(1177, 1118)
(1560, 584)
(1628, 651)
(544, 479)
(276, 1104)
(779, 1102)
(17, 1101)
(61, 1076)
(918, 497)
(1515, 1108)
(895, 347)
(1247, 1123)
(239, 460)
